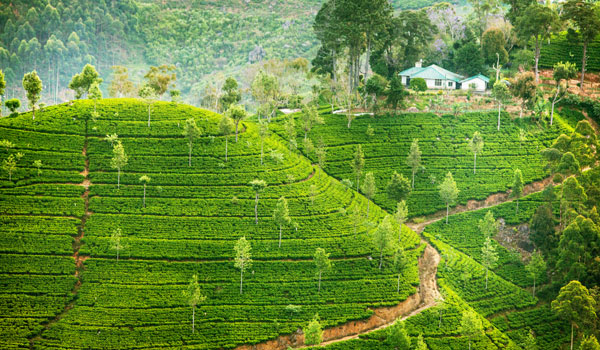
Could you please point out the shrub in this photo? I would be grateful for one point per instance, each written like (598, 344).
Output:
(418, 84)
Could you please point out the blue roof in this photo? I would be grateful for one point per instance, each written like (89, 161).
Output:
(480, 76)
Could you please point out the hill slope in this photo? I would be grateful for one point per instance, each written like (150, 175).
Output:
(193, 217)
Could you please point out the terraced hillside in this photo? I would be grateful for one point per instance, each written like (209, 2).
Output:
(444, 144)
(60, 271)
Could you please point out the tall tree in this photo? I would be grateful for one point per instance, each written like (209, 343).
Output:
(191, 132)
(81, 82)
(232, 94)
(488, 225)
(536, 267)
(586, 18)
(119, 160)
(120, 85)
(193, 296)
(397, 337)
(265, 90)
(413, 160)
(161, 78)
(95, 94)
(382, 238)
(398, 188)
(33, 87)
(493, 47)
(322, 263)
(358, 164)
(400, 263)
(313, 334)
(226, 127)
(310, 117)
(2, 88)
(374, 16)
(517, 186)
(10, 164)
(476, 146)
(144, 179)
(237, 113)
(489, 257)
(401, 216)
(258, 186)
(471, 326)
(396, 93)
(502, 95)
(368, 189)
(148, 94)
(562, 71)
(115, 241)
(575, 305)
(281, 215)
(538, 21)
(482, 9)
(448, 192)
(524, 87)
(243, 258)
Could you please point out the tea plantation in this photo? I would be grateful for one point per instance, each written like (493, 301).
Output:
(443, 142)
(64, 288)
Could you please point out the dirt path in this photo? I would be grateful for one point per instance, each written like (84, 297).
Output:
(76, 246)
(426, 296)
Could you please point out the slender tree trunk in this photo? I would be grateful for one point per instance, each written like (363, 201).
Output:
(241, 279)
(537, 59)
(571, 335)
(236, 131)
(226, 138)
(256, 209)
(319, 281)
(367, 64)
(334, 65)
(499, 111)
(190, 154)
(447, 209)
(380, 259)
(118, 178)
(279, 236)
(553, 103)
(144, 195)
(193, 318)
(475, 163)
(583, 63)
(399, 233)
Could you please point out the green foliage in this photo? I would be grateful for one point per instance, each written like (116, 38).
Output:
(575, 305)
(493, 47)
(32, 85)
(589, 343)
(313, 334)
(82, 82)
(13, 104)
(398, 188)
(418, 84)
(471, 326)
(161, 78)
(468, 59)
(397, 337)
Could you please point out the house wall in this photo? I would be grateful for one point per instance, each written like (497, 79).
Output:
(479, 83)
(431, 85)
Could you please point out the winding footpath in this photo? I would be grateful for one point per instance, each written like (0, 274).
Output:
(427, 293)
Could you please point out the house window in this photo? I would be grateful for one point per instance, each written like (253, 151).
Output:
(438, 82)
(449, 84)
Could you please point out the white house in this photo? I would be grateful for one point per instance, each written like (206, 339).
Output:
(478, 83)
(438, 78)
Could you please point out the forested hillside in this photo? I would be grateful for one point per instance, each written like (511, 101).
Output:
(200, 38)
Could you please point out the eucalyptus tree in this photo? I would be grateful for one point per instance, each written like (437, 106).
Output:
(476, 146)
(368, 189)
(32, 84)
(258, 186)
(448, 192)
(243, 258)
(489, 257)
(82, 82)
(502, 95)
(144, 179)
(193, 296)
(226, 127)
(281, 215)
(517, 186)
(237, 113)
(382, 237)
(400, 263)
(191, 132)
(148, 94)
(119, 160)
(562, 71)
(414, 159)
(401, 216)
(322, 263)
(115, 241)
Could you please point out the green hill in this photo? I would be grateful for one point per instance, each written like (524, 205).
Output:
(60, 273)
